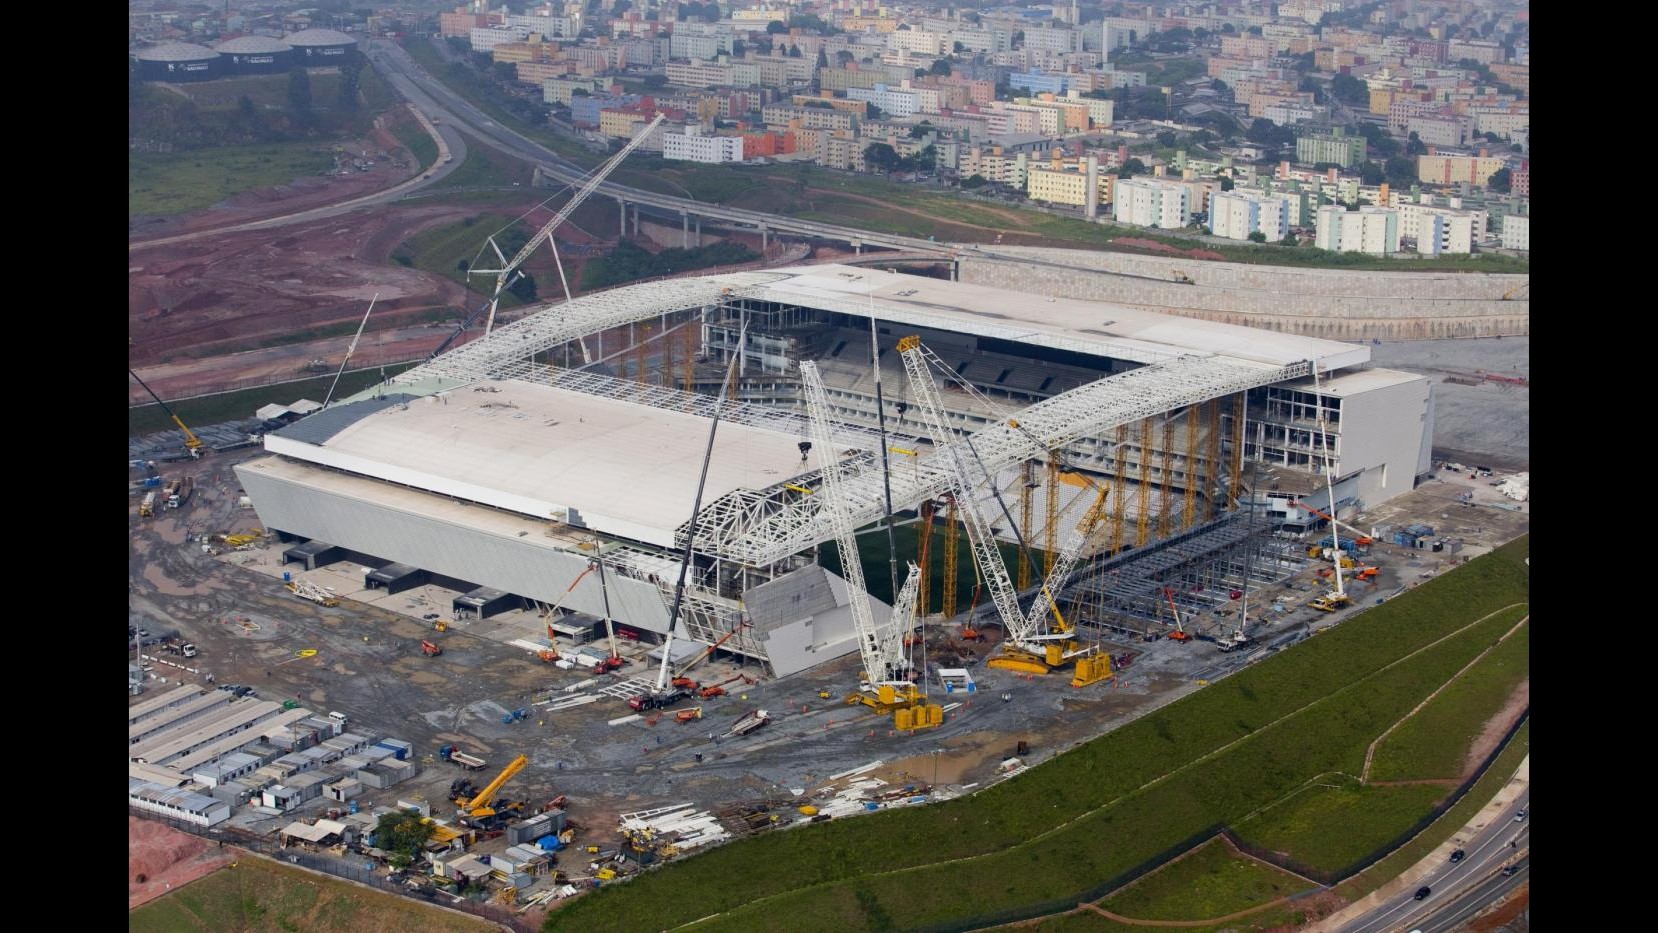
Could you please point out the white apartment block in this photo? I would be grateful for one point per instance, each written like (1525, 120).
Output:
(1517, 231)
(485, 38)
(896, 102)
(1437, 130)
(698, 48)
(1416, 223)
(1443, 230)
(561, 27)
(684, 147)
(1286, 114)
(1235, 215)
(1052, 41)
(1373, 230)
(1501, 122)
(919, 41)
(1149, 203)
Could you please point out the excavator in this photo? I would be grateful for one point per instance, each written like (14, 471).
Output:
(477, 807)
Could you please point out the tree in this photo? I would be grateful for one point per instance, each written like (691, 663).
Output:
(1289, 240)
(1256, 236)
(524, 286)
(794, 51)
(402, 834)
(1310, 86)
(776, 28)
(1415, 146)
(620, 7)
(1167, 139)
(1131, 168)
(881, 157)
(844, 57)
(1225, 183)
(299, 91)
(246, 110)
(1350, 90)
(1261, 131)
(1400, 171)
(974, 181)
(941, 66)
(1371, 174)
(822, 57)
(1218, 86)
(920, 129)
(1502, 180)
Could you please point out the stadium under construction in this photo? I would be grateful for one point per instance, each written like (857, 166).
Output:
(511, 463)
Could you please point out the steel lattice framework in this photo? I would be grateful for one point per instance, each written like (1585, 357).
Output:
(736, 530)
(760, 528)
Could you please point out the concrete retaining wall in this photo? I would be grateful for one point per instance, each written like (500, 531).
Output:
(1337, 304)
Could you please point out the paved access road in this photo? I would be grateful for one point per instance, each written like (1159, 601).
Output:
(1464, 888)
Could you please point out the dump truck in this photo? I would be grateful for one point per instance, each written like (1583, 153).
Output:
(146, 508)
(179, 493)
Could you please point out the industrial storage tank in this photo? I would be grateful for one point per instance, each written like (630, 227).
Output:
(177, 61)
(317, 47)
(255, 55)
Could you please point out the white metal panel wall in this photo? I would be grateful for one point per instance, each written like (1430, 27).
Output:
(510, 564)
(1389, 426)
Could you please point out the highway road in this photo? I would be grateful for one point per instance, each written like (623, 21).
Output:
(430, 94)
(1464, 888)
(454, 146)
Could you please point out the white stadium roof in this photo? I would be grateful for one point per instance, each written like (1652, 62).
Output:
(613, 466)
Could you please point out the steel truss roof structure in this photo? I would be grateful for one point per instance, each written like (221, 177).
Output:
(762, 528)
(734, 530)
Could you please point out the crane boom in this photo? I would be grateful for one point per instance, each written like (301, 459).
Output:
(979, 536)
(503, 274)
(877, 667)
(484, 797)
(192, 443)
(1064, 566)
(1359, 536)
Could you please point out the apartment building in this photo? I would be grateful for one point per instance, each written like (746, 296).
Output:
(685, 147)
(1333, 147)
(1451, 169)
(1152, 203)
(1235, 215)
(1373, 230)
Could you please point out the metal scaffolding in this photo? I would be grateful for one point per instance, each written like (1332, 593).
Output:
(1204, 566)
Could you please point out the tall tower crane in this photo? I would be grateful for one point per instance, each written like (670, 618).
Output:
(504, 275)
(887, 686)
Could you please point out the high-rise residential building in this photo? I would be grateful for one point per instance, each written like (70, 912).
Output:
(1517, 231)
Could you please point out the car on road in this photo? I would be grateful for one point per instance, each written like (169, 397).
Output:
(1458, 856)
(1423, 892)
(1520, 817)
(1510, 870)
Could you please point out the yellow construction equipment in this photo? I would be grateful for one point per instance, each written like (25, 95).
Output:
(479, 806)
(192, 443)
(441, 625)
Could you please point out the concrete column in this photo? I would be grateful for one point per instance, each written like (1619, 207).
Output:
(857, 247)
(635, 220)
(699, 231)
(685, 223)
(955, 270)
(762, 239)
(622, 220)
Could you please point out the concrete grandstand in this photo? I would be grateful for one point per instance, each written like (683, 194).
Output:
(493, 467)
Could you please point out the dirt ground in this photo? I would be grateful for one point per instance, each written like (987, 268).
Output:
(1512, 916)
(160, 858)
(301, 194)
(1497, 727)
